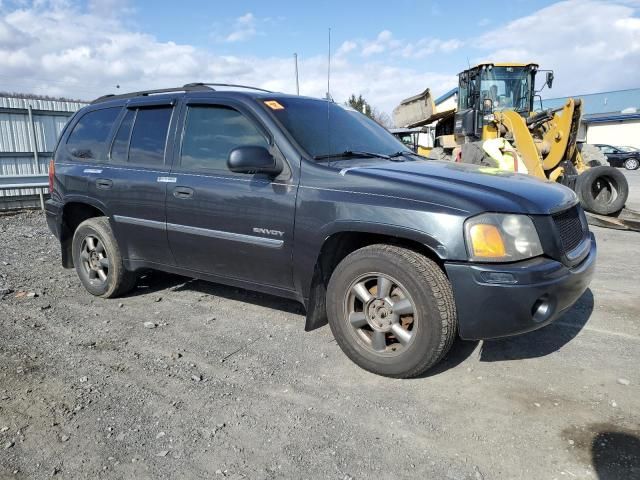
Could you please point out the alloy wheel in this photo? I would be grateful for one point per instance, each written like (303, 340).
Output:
(94, 259)
(381, 314)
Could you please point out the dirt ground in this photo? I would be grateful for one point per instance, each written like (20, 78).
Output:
(228, 385)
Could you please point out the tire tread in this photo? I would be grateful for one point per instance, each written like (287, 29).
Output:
(125, 280)
(437, 283)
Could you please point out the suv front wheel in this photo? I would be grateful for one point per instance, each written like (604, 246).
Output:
(391, 310)
(98, 261)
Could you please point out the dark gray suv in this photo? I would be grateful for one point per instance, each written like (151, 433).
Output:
(306, 199)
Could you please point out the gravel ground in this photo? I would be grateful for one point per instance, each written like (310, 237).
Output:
(186, 379)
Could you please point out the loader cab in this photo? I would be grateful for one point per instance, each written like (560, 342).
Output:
(489, 88)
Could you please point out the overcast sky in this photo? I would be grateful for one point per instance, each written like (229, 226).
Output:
(384, 50)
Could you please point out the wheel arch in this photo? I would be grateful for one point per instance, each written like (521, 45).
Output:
(337, 245)
(74, 212)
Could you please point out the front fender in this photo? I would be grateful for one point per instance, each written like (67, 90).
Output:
(317, 221)
(389, 229)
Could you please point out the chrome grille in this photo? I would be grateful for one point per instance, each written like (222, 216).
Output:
(570, 227)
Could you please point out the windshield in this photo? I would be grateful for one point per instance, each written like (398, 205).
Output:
(324, 128)
(507, 87)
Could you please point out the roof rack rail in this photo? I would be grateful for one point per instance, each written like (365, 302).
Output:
(191, 87)
(200, 84)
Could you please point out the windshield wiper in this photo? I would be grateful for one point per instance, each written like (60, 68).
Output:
(404, 152)
(352, 154)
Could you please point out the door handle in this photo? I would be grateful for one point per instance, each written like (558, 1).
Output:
(183, 192)
(104, 183)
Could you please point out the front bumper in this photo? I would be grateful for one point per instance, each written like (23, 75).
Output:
(495, 301)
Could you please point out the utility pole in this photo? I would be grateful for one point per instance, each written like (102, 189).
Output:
(295, 60)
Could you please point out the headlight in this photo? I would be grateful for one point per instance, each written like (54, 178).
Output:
(497, 237)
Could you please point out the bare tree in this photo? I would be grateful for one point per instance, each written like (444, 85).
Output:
(360, 104)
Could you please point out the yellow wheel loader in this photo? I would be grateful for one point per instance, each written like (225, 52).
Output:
(495, 124)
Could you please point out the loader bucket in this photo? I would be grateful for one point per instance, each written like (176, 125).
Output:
(414, 110)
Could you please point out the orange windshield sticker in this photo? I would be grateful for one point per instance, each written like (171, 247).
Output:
(273, 105)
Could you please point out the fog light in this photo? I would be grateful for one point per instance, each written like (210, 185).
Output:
(498, 277)
(542, 309)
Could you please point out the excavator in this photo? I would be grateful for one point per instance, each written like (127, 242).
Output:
(497, 125)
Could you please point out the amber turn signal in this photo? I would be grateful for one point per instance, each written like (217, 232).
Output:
(486, 241)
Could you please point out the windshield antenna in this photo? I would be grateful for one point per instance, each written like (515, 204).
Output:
(329, 93)
(329, 67)
(295, 61)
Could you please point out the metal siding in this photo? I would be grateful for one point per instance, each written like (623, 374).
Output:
(605, 102)
(48, 128)
(13, 166)
(15, 133)
(15, 137)
(39, 104)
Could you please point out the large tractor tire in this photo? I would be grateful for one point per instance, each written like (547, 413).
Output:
(602, 190)
(592, 155)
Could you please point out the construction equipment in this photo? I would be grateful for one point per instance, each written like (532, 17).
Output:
(419, 139)
(496, 101)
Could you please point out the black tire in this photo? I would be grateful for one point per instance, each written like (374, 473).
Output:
(602, 190)
(632, 163)
(105, 256)
(592, 155)
(432, 321)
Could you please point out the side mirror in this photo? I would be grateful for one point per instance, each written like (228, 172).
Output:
(487, 106)
(253, 159)
(549, 81)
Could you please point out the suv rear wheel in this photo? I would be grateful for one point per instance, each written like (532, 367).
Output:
(391, 310)
(98, 261)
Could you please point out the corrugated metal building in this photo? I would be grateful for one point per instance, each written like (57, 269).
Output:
(609, 117)
(29, 129)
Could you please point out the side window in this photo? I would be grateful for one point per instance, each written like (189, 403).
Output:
(88, 140)
(120, 147)
(211, 133)
(149, 136)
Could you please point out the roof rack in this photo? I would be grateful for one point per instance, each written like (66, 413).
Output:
(200, 84)
(189, 87)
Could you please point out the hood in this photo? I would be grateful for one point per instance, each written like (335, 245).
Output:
(460, 186)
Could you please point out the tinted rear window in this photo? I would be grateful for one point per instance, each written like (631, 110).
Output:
(88, 140)
(149, 136)
(120, 148)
